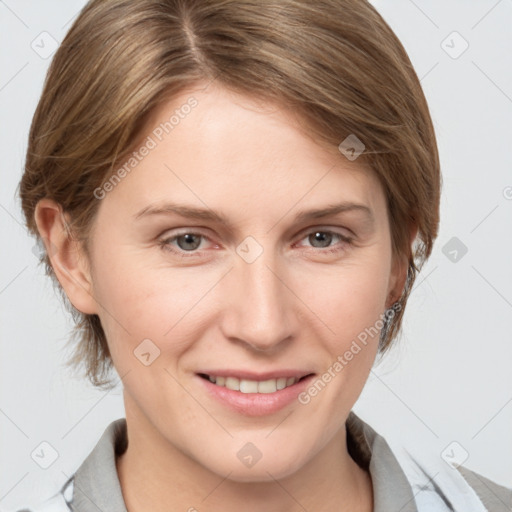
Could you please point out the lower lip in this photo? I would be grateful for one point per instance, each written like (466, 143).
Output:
(256, 404)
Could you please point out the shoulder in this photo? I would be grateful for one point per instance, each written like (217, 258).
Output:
(458, 487)
(495, 497)
(423, 476)
(59, 502)
(95, 480)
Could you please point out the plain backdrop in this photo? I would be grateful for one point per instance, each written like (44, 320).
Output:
(446, 386)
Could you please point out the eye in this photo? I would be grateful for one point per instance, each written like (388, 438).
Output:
(189, 244)
(185, 244)
(188, 241)
(322, 239)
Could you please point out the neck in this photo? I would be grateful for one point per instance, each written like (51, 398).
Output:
(156, 476)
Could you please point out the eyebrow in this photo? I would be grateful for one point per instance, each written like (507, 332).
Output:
(211, 215)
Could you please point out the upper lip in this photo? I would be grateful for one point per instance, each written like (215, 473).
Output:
(251, 375)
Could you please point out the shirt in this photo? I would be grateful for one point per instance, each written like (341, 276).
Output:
(400, 482)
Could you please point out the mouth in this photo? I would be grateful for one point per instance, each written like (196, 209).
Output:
(243, 385)
(254, 394)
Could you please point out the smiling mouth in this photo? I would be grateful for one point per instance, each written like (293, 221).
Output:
(253, 386)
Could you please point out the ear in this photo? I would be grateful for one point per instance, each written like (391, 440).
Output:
(66, 256)
(398, 275)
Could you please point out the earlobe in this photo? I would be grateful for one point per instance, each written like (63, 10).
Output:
(397, 281)
(400, 269)
(67, 259)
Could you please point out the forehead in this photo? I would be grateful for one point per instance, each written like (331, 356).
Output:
(218, 148)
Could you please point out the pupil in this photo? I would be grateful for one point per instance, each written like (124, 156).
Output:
(189, 239)
(322, 237)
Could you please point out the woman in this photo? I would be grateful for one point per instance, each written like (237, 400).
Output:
(236, 197)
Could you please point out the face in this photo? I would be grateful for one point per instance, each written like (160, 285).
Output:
(207, 260)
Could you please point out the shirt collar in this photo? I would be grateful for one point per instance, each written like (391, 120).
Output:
(391, 488)
(96, 484)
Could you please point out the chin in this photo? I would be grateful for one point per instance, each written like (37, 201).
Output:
(261, 471)
(261, 475)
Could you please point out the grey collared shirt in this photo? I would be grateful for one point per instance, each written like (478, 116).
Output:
(95, 485)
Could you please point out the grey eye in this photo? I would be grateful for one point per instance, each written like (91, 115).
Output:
(188, 241)
(324, 238)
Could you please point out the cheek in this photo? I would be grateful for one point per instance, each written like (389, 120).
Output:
(141, 302)
(348, 298)
(350, 303)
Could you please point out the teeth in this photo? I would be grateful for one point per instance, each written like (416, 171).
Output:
(233, 383)
(248, 386)
(267, 386)
(253, 386)
(281, 383)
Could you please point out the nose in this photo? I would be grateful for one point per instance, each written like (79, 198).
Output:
(259, 312)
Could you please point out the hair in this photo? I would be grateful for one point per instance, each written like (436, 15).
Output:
(335, 63)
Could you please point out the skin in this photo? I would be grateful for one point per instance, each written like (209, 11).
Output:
(296, 306)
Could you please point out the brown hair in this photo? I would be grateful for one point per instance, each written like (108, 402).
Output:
(336, 63)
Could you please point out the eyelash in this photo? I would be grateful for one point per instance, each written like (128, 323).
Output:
(165, 245)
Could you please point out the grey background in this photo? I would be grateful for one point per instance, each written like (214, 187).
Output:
(448, 380)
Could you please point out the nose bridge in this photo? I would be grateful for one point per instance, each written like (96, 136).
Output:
(260, 308)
